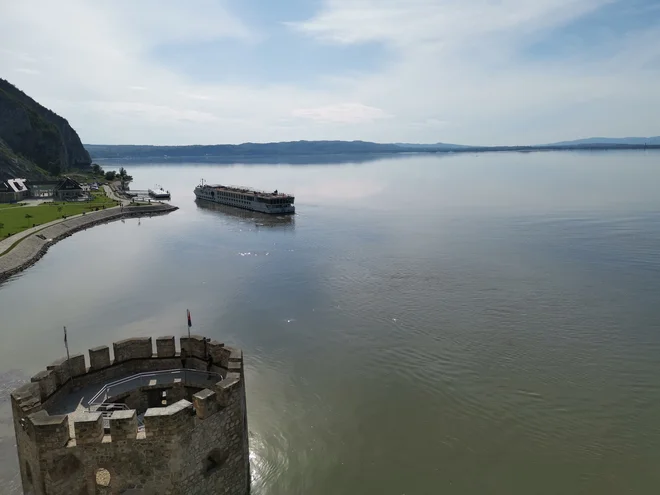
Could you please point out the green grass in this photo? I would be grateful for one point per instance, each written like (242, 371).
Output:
(14, 220)
(86, 176)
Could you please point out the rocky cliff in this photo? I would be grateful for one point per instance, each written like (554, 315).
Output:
(33, 140)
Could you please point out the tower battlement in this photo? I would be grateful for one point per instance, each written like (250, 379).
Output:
(170, 421)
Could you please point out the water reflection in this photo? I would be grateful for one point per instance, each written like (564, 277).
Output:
(261, 220)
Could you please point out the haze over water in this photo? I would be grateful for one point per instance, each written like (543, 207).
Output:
(468, 324)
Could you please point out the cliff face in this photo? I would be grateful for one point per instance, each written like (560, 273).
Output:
(32, 134)
(13, 165)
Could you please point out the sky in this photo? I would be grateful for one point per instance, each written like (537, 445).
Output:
(477, 72)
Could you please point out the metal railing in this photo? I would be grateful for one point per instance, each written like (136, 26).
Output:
(188, 376)
(106, 410)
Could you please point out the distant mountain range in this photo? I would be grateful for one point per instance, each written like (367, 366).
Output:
(283, 151)
(240, 150)
(436, 146)
(638, 141)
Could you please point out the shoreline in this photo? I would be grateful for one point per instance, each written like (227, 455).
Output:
(33, 247)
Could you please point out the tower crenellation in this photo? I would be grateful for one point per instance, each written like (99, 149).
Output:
(167, 422)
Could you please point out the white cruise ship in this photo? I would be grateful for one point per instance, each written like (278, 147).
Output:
(249, 199)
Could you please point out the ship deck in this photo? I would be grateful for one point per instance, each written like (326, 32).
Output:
(249, 191)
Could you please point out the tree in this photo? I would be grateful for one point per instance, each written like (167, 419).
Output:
(27, 217)
(96, 168)
(2, 226)
(124, 177)
(110, 175)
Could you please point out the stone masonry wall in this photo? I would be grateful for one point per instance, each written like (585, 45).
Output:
(216, 446)
(182, 449)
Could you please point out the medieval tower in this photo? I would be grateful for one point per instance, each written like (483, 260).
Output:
(163, 423)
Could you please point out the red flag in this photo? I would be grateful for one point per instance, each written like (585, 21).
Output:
(189, 320)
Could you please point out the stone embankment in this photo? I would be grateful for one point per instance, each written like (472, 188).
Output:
(29, 250)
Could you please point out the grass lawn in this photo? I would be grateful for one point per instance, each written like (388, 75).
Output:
(13, 219)
(87, 176)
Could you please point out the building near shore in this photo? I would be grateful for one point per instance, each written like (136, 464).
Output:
(167, 422)
(42, 188)
(14, 190)
(65, 189)
(68, 189)
(7, 194)
(20, 188)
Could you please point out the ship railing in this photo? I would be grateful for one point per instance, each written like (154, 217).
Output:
(245, 189)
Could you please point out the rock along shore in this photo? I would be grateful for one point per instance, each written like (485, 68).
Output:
(32, 248)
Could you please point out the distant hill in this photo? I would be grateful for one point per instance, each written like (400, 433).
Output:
(635, 141)
(35, 141)
(323, 151)
(436, 146)
(290, 148)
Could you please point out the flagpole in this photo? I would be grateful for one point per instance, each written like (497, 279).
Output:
(68, 357)
(185, 371)
(66, 344)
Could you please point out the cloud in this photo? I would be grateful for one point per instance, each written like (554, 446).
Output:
(438, 22)
(455, 71)
(466, 60)
(27, 70)
(151, 113)
(345, 113)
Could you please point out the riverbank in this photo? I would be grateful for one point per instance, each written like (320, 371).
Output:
(32, 213)
(29, 249)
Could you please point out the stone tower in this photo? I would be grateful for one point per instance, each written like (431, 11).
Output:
(161, 423)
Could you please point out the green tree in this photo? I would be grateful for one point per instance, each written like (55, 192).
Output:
(96, 168)
(110, 175)
(27, 217)
(124, 177)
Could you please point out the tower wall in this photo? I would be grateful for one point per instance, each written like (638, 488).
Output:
(183, 448)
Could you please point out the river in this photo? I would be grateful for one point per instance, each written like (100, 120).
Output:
(455, 324)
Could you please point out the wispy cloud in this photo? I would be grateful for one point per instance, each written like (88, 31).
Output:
(150, 113)
(344, 113)
(453, 70)
(440, 23)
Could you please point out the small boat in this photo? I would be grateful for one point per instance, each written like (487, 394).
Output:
(159, 193)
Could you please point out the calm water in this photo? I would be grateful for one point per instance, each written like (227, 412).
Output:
(424, 325)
